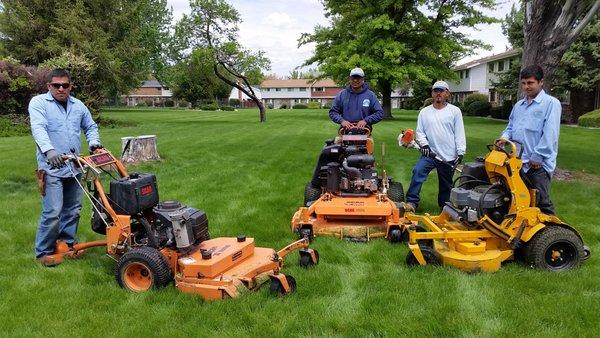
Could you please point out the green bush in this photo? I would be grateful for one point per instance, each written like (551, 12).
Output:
(314, 105)
(428, 101)
(591, 119)
(14, 125)
(234, 102)
(283, 106)
(18, 83)
(227, 108)
(169, 103)
(478, 108)
(183, 104)
(209, 106)
(326, 106)
(142, 104)
(473, 98)
(502, 112)
(299, 106)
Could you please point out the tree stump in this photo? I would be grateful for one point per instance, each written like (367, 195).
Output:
(139, 149)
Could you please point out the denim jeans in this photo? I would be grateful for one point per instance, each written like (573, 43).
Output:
(60, 214)
(419, 175)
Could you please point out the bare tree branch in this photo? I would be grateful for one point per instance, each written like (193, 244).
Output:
(581, 25)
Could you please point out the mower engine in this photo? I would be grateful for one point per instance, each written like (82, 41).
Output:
(475, 197)
(355, 175)
(180, 226)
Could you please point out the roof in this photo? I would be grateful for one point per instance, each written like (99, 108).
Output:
(486, 59)
(297, 83)
(151, 84)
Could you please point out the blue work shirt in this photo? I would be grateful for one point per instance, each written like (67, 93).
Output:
(351, 106)
(536, 126)
(54, 128)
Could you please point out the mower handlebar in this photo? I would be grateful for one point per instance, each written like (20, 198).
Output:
(342, 131)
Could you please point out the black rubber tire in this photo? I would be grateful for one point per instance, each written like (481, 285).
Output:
(306, 261)
(396, 192)
(431, 257)
(306, 233)
(152, 259)
(395, 235)
(311, 194)
(419, 228)
(277, 289)
(555, 239)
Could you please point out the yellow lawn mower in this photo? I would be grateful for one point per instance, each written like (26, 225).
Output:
(492, 217)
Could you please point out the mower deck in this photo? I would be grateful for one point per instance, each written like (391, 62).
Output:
(348, 217)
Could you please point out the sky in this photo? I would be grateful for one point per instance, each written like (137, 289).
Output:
(274, 26)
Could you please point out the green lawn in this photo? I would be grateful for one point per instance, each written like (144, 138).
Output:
(249, 178)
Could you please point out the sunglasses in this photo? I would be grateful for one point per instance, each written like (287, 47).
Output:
(58, 85)
(438, 90)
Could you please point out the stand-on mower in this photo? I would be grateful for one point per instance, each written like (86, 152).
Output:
(156, 242)
(491, 218)
(346, 197)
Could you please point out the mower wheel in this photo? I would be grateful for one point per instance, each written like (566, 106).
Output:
(395, 236)
(419, 228)
(141, 269)
(396, 192)
(277, 289)
(306, 233)
(431, 257)
(311, 194)
(555, 248)
(306, 259)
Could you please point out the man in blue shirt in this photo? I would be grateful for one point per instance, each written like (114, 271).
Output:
(356, 104)
(56, 121)
(535, 123)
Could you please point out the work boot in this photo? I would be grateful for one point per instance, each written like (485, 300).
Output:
(409, 207)
(48, 261)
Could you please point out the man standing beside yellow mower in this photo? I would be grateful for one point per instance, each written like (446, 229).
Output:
(441, 136)
(535, 124)
(56, 121)
(356, 104)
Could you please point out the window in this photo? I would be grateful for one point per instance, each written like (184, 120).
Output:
(290, 89)
(318, 89)
(500, 66)
(302, 89)
(467, 73)
(491, 67)
(277, 89)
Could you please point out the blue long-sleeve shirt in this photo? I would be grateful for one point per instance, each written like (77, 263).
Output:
(352, 106)
(536, 126)
(54, 128)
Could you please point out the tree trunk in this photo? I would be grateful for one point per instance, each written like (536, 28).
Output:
(249, 92)
(139, 149)
(550, 27)
(386, 92)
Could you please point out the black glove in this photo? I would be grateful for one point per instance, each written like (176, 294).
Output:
(95, 147)
(54, 159)
(458, 160)
(425, 151)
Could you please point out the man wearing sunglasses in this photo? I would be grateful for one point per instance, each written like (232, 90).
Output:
(57, 119)
(356, 104)
(441, 135)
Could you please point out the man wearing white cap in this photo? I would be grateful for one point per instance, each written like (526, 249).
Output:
(441, 135)
(356, 104)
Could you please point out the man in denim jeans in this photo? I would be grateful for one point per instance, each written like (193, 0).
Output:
(57, 119)
(441, 135)
(534, 122)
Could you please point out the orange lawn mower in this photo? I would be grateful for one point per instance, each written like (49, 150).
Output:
(347, 197)
(155, 242)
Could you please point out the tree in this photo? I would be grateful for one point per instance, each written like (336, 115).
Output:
(194, 80)
(213, 24)
(395, 42)
(549, 28)
(121, 41)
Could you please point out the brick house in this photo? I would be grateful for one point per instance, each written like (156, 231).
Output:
(278, 93)
(151, 92)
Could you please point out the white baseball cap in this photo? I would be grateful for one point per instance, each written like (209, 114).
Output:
(357, 72)
(440, 85)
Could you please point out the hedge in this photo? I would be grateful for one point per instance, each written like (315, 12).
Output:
(478, 108)
(591, 119)
(299, 106)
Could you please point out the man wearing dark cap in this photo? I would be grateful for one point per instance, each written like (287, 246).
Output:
(356, 104)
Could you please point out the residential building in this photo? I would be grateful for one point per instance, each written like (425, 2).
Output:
(286, 93)
(478, 76)
(151, 92)
(245, 100)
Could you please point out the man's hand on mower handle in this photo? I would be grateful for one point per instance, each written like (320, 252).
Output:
(425, 151)
(95, 147)
(458, 160)
(346, 124)
(362, 124)
(501, 142)
(54, 159)
(535, 165)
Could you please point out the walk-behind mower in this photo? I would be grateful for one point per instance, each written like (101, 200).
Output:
(491, 218)
(347, 197)
(156, 242)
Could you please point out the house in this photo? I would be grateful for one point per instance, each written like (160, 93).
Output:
(151, 92)
(245, 100)
(286, 93)
(478, 76)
